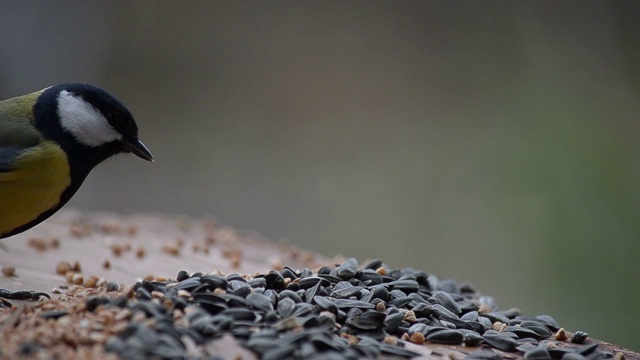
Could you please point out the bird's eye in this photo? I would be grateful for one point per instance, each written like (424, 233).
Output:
(111, 118)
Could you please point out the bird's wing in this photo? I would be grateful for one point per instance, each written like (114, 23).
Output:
(7, 157)
(16, 129)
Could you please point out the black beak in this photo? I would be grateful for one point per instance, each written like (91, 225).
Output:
(137, 148)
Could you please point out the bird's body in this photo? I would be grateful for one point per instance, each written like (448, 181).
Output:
(49, 142)
(44, 170)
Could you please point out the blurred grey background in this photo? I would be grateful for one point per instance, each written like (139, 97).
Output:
(494, 141)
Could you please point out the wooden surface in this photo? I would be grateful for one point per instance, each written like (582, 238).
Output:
(161, 245)
(90, 240)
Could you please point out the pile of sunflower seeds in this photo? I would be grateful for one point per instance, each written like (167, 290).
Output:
(340, 312)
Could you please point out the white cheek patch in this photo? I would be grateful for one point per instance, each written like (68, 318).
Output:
(83, 121)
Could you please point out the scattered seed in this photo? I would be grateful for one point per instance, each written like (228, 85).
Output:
(410, 317)
(483, 355)
(579, 337)
(338, 312)
(484, 309)
(20, 295)
(445, 336)
(537, 354)
(38, 244)
(348, 269)
(561, 335)
(76, 267)
(471, 338)
(53, 314)
(417, 338)
(63, 268)
(111, 286)
(91, 282)
(548, 321)
(500, 341)
(171, 250)
(54, 243)
(117, 250)
(76, 279)
(9, 271)
(568, 356)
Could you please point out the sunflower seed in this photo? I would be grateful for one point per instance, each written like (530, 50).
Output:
(348, 269)
(500, 341)
(214, 281)
(537, 354)
(483, 355)
(445, 336)
(579, 337)
(260, 302)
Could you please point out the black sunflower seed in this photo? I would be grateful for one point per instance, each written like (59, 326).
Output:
(188, 284)
(284, 294)
(571, 356)
(325, 304)
(347, 292)
(274, 280)
(405, 285)
(308, 317)
(348, 269)
(444, 299)
(392, 322)
(471, 338)
(373, 264)
(239, 314)
(445, 336)
(93, 302)
(53, 314)
(500, 341)
(587, 349)
(287, 272)
(400, 302)
(259, 302)
(483, 355)
(579, 337)
(537, 354)
(397, 351)
(522, 332)
(355, 304)
(258, 282)
(548, 321)
(182, 275)
(214, 281)
(470, 316)
(311, 281)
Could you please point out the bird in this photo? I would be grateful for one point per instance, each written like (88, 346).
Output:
(50, 140)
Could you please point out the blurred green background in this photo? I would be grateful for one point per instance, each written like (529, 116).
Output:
(494, 141)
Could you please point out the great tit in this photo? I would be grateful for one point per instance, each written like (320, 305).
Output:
(49, 142)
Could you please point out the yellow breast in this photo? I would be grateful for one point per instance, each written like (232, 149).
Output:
(41, 175)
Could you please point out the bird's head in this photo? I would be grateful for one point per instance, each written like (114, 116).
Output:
(85, 118)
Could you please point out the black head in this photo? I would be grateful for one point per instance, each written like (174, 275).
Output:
(89, 123)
